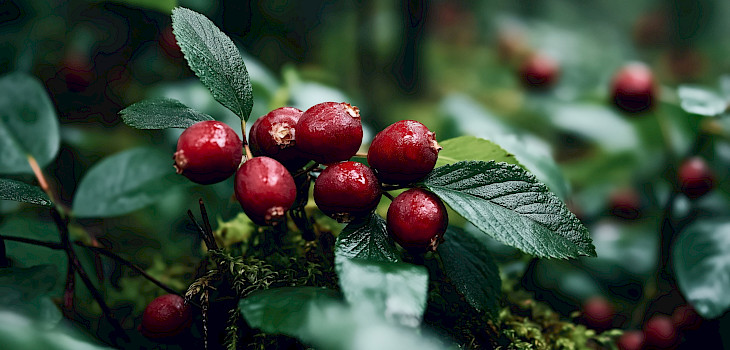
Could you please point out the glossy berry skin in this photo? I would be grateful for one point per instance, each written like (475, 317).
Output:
(347, 190)
(208, 152)
(166, 316)
(633, 89)
(695, 177)
(631, 340)
(265, 190)
(274, 135)
(659, 333)
(417, 220)
(329, 132)
(404, 152)
(598, 313)
(685, 318)
(539, 72)
(625, 203)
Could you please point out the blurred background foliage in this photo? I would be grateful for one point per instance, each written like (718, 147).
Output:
(449, 64)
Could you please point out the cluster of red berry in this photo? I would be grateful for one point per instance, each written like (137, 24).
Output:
(286, 139)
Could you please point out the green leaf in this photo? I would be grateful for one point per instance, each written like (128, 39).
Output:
(701, 101)
(22, 192)
(215, 60)
(468, 263)
(598, 123)
(702, 263)
(509, 204)
(18, 331)
(28, 124)
(125, 182)
(22, 254)
(161, 113)
(472, 148)
(366, 238)
(27, 290)
(397, 290)
(163, 6)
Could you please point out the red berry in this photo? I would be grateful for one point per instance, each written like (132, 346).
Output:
(633, 88)
(265, 189)
(273, 135)
(208, 152)
(539, 71)
(659, 333)
(695, 177)
(329, 132)
(625, 203)
(403, 152)
(598, 313)
(166, 316)
(347, 190)
(631, 340)
(686, 318)
(417, 219)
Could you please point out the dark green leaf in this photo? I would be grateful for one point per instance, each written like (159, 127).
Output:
(28, 124)
(506, 202)
(396, 290)
(702, 263)
(22, 192)
(472, 148)
(215, 60)
(368, 239)
(125, 182)
(701, 101)
(472, 269)
(161, 113)
(162, 6)
(27, 290)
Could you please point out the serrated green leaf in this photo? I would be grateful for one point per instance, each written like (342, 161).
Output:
(471, 267)
(472, 148)
(22, 192)
(125, 182)
(509, 204)
(702, 264)
(28, 124)
(701, 101)
(161, 113)
(397, 290)
(366, 238)
(214, 58)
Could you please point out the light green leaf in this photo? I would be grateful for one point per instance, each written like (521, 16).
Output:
(18, 331)
(702, 263)
(161, 113)
(472, 148)
(125, 182)
(366, 238)
(468, 263)
(22, 192)
(509, 204)
(215, 60)
(397, 290)
(701, 101)
(28, 124)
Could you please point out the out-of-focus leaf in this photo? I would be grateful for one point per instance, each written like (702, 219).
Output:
(366, 238)
(163, 6)
(472, 148)
(701, 101)
(161, 113)
(28, 124)
(125, 182)
(397, 290)
(214, 58)
(596, 123)
(27, 290)
(509, 204)
(22, 192)
(702, 263)
(24, 255)
(20, 332)
(472, 269)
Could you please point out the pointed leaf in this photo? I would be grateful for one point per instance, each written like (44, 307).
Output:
(702, 263)
(701, 101)
(161, 113)
(22, 192)
(468, 263)
(366, 238)
(472, 148)
(397, 290)
(28, 124)
(125, 182)
(215, 60)
(508, 203)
